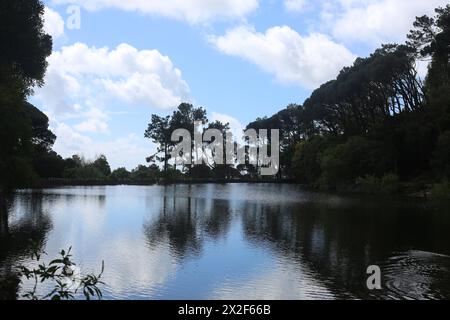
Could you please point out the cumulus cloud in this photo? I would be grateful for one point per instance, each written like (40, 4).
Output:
(142, 88)
(96, 122)
(69, 141)
(375, 21)
(306, 61)
(236, 127)
(192, 11)
(81, 82)
(89, 76)
(53, 23)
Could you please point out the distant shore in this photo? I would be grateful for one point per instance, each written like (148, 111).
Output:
(411, 190)
(49, 183)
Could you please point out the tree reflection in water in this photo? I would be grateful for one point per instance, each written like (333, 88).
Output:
(341, 241)
(19, 237)
(334, 239)
(231, 241)
(185, 221)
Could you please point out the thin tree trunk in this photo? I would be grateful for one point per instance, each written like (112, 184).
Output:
(165, 157)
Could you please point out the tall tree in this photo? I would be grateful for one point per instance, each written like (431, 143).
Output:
(293, 126)
(159, 131)
(224, 170)
(25, 47)
(367, 93)
(431, 39)
(184, 118)
(101, 163)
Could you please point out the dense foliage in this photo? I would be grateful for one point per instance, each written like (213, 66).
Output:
(25, 47)
(377, 122)
(26, 142)
(160, 132)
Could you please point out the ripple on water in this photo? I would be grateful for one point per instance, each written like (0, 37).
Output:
(417, 275)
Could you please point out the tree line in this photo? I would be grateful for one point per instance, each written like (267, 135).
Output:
(377, 123)
(26, 154)
(160, 131)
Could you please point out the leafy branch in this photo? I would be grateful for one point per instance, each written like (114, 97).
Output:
(62, 272)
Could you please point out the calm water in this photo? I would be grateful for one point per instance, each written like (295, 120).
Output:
(234, 241)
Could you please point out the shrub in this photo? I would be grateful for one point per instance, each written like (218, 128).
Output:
(441, 190)
(120, 174)
(88, 172)
(368, 184)
(388, 184)
(171, 175)
(306, 161)
(441, 159)
(143, 173)
(358, 157)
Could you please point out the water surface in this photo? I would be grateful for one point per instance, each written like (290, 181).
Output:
(232, 241)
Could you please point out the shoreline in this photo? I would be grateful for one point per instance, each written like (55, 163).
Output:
(406, 189)
(52, 183)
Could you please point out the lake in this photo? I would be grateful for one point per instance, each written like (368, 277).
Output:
(233, 241)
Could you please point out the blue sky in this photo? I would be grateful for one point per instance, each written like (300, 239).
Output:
(240, 59)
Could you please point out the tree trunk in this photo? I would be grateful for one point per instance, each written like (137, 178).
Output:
(165, 158)
(3, 216)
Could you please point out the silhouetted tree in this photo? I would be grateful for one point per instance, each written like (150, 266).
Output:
(160, 129)
(25, 47)
(120, 174)
(431, 39)
(377, 118)
(101, 163)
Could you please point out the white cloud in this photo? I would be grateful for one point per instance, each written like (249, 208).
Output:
(294, 281)
(192, 11)
(236, 127)
(128, 151)
(69, 141)
(79, 72)
(307, 61)
(53, 23)
(146, 267)
(96, 122)
(295, 5)
(375, 21)
(422, 68)
(142, 88)
(81, 82)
